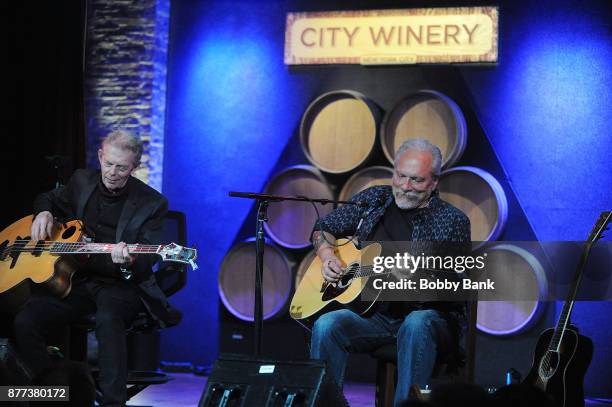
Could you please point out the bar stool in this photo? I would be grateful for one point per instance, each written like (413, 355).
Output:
(447, 368)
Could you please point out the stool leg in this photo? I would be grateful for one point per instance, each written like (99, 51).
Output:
(78, 343)
(385, 383)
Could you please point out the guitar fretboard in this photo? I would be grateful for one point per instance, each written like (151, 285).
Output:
(95, 248)
(561, 325)
(368, 271)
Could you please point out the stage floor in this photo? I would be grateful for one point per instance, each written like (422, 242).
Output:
(186, 389)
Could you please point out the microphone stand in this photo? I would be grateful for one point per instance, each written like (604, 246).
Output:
(263, 200)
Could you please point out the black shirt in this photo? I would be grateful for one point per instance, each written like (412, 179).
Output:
(394, 226)
(101, 217)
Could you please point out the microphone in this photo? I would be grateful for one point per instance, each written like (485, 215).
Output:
(368, 208)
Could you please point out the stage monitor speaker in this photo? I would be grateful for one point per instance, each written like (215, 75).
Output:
(239, 381)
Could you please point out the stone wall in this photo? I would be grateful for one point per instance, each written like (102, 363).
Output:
(125, 78)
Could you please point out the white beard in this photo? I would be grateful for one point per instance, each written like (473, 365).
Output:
(409, 200)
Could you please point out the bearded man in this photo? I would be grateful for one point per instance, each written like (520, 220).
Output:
(409, 210)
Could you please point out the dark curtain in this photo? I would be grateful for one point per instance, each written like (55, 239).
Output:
(43, 114)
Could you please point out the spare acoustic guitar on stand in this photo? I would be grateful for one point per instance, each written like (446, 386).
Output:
(562, 355)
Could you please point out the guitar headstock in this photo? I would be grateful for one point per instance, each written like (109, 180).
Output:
(179, 254)
(601, 225)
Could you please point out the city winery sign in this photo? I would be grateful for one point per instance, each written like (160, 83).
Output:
(411, 36)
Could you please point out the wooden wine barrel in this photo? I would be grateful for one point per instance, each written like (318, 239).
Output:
(304, 264)
(513, 266)
(480, 196)
(429, 115)
(237, 280)
(338, 131)
(290, 223)
(365, 178)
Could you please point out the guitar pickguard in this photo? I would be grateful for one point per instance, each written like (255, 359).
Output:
(329, 291)
(549, 364)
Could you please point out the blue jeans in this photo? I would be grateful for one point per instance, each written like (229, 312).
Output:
(420, 336)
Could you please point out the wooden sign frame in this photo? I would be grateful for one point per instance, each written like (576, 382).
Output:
(381, 37)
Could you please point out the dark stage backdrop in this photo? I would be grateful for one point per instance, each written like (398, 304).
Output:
(540, 122)
(43, 103)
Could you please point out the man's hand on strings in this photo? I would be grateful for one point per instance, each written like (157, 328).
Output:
(332, 269)
(121, 255)
(42, 226)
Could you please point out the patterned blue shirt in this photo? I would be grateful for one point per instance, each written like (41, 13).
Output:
(439, 221)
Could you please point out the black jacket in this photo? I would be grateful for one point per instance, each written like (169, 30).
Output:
(140, 222)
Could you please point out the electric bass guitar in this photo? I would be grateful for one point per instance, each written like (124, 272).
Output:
(53, 262)
(562, 355)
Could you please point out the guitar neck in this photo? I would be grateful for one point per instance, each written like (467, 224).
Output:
(368, 271)
(98, 248)
(564, 318)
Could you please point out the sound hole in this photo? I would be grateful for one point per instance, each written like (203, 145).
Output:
(69, 232)
(549, 364)
(330, 292)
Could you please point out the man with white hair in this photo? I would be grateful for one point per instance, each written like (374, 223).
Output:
(409, 210)
(115, 208)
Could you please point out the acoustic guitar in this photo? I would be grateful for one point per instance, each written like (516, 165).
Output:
(314, 293)
(53, 262)
(562, 356)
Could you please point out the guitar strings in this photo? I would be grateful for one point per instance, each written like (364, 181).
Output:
(61, 242)
(72, 246)
(368, 271)
(67, 247)
(51, 243)
(75, 246)
(555, 340)
(64, 249)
